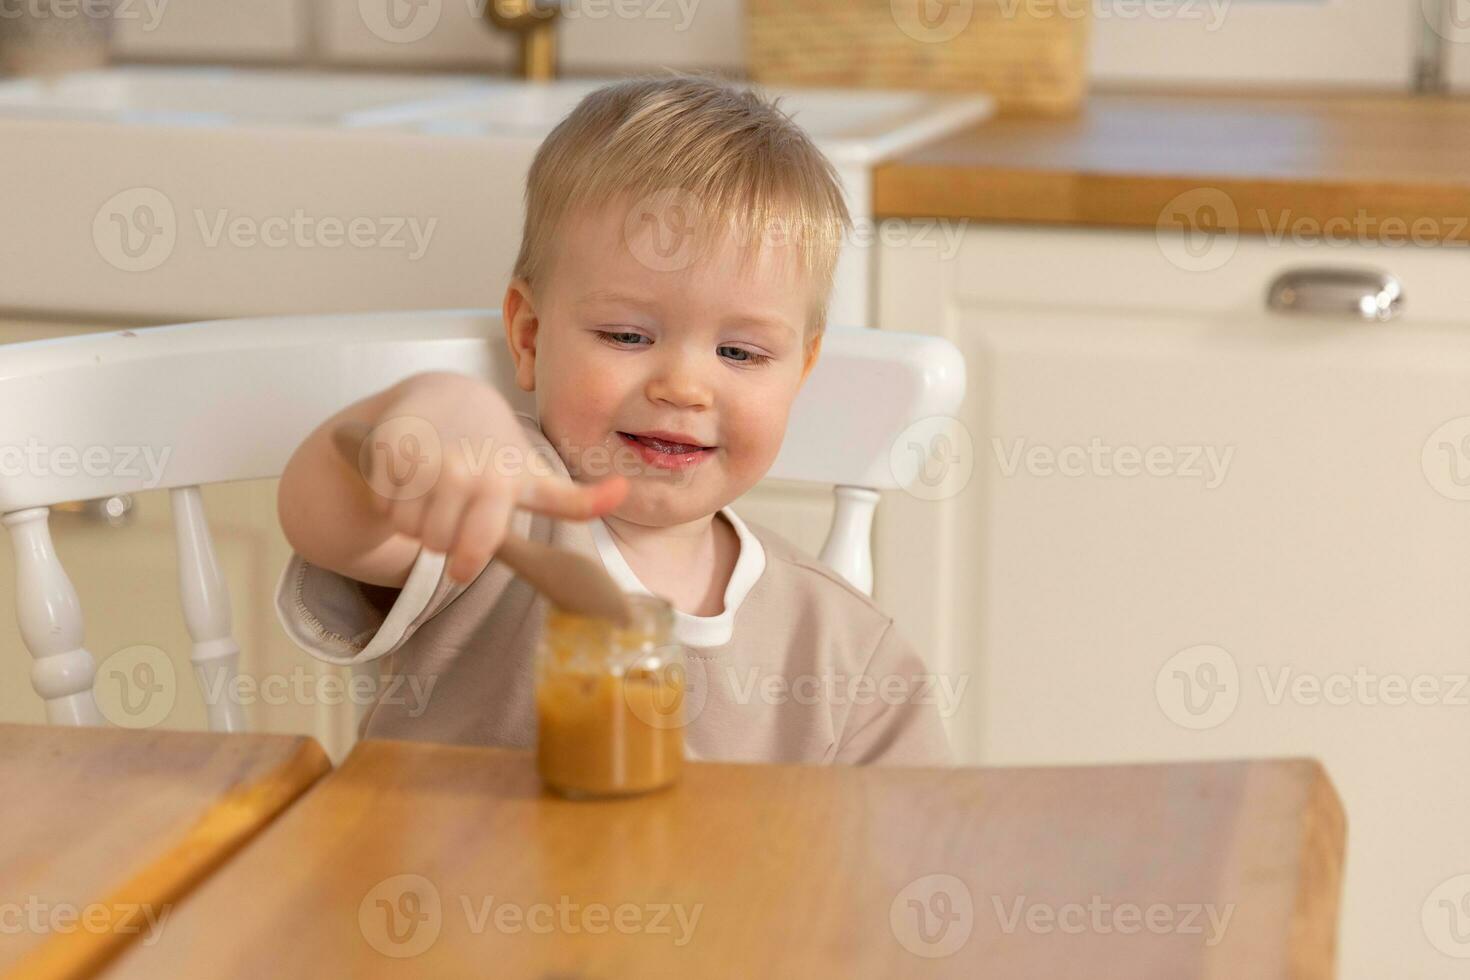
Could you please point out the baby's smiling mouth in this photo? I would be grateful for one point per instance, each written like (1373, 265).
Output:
(667, 450)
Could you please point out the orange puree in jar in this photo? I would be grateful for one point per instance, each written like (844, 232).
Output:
(609, 702)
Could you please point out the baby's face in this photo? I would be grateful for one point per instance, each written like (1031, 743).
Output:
(710, 355)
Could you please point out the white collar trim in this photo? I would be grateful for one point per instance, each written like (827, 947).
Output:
(693, 631)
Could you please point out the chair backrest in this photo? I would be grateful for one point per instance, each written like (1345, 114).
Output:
(178, 407)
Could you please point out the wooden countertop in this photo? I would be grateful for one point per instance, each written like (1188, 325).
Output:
(420, 860)
(1125, 158)
(106, 829)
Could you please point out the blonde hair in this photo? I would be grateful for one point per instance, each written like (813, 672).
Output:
(690, 138)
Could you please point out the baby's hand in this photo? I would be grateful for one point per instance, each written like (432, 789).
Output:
(447, 461)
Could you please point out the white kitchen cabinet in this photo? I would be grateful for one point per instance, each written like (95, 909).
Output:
(1296, 597)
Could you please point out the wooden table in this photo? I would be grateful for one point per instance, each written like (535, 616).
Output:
(418, 860)
(105, 829)
(1380, 162)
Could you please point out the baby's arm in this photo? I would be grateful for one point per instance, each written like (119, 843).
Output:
(328, 512)
(333, 518)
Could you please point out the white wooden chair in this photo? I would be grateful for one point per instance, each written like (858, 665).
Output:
(231, 399)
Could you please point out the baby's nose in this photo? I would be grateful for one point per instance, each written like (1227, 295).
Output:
(682, 386)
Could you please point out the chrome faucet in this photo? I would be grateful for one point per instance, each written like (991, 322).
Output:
(534, 24)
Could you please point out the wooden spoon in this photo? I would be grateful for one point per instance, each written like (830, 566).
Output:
(574, 582)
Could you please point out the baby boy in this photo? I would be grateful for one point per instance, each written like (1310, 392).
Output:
(666, 306)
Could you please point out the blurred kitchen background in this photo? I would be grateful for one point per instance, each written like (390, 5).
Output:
(1209, 494)
(1031, 52)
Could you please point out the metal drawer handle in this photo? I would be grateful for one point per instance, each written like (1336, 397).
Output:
(1364, 293)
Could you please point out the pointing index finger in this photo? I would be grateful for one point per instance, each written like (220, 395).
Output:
(557, 496)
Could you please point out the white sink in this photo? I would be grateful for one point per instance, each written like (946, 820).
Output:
(219, 96)
(160, 194)
(851, 126)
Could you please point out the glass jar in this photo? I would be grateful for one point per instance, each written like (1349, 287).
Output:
(610, 702)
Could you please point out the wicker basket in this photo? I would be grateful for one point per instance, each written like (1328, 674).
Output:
(1029, 55)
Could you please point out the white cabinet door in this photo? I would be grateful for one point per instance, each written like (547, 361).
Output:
(1198, 530)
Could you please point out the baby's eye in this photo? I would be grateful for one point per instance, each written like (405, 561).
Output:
(743, 356)
(620, 337)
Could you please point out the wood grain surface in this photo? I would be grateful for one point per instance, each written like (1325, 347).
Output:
(106, 829)
(1381, 164)
(416, 860)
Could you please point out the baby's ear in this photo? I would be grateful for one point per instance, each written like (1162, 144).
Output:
(519, 313)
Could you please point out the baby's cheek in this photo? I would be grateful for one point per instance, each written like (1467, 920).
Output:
(755, 441)
(580, 413)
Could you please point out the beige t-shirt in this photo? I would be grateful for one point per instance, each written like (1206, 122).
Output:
(799, 667)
